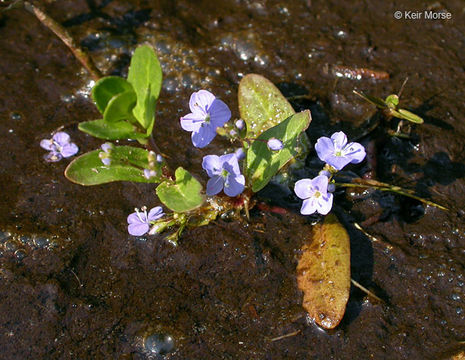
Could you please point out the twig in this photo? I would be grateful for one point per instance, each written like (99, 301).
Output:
(61, 32)
(371, 237)
(365, 290)
(79, 281)
(286, 336)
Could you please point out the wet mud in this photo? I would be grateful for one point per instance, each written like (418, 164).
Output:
(75, 285)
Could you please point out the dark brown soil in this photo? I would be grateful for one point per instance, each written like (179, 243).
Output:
(75, 285)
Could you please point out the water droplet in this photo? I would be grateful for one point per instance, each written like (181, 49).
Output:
(159, 344)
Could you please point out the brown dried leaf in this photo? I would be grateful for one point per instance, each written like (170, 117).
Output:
(323, 273)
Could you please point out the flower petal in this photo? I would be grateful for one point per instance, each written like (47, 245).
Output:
(47, 144)
(138, 229)
(192, 121)
(203, 136)
(234, 185)
(309, 206)
(230, 163)
(339, 139)
(320, 183)
(155, 213)
(107, 147)
(240, 154)
(219, 113)
(53, 156)
(355, 152)
(61, 138)
(69, 150)
(134, 219)
(275, 144)
(324, 204)
(324, 148)
(214, 185)
(200, 101)
(337, 162)
(303, 188)
(212, 165)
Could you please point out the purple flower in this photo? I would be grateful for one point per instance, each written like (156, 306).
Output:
(239, 124)
(207, 113)
(105, 155)
(139, 221)
(225, 173)
(315, 195)
(60, 146)
(275, 144)
(148, 173)
(240, 154)
(337, 152)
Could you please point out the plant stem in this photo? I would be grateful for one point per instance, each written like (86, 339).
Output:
(61, 32)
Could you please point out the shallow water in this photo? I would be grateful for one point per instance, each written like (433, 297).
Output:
(75, 285)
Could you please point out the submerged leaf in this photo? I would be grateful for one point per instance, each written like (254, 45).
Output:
(107, 87)
(263, 163)
(182, 195)
(261, 104)
(145, 76)
(127, 164)
(323, 273)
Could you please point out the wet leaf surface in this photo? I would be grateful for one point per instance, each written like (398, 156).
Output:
(323, 273)
(261, 104)
(107, 87)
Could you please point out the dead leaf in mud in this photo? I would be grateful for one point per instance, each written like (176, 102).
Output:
(323, 272)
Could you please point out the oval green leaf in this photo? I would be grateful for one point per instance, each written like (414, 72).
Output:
(145, 75)
(323, 272)
(120, 107)
(183, 194)
(106, 88)
(110, 131)
(127, 164)
(261, 104)
(263, 163)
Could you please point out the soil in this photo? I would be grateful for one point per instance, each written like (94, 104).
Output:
(75, 285)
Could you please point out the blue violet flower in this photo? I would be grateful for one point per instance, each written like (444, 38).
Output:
(139, 221)
(225, 174)
(60, 146)
(337, 152)
(275, 144)
(207, 114)
(314, 193)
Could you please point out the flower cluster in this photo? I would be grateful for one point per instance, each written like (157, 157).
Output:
(336, 153)
(140, 222)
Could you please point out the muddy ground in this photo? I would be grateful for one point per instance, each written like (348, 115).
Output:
(75, 285)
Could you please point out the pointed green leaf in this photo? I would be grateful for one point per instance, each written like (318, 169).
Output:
(407, 115)
(261, 104)
(111, 131)
(106, 88)
(392, 101)
(146, 77)
(127, 164)
(120, 107)
(263, 163)
(323, 272)
(372, 99)
(183, 194)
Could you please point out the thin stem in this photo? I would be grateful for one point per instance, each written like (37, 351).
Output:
(391, 188)
(61, 32)
(365, 290)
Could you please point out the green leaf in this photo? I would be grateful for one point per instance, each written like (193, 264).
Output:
(392, 101)
(183, 194)
(120, 107)
(261, 104)
(372, 99)
(127, 164)
(145, 76)
(323, 272)
(407, 115)
(263, 163)
(106, 88)
(110, 131)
